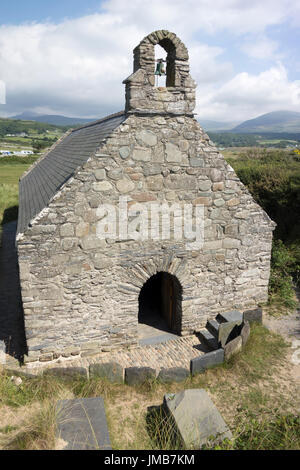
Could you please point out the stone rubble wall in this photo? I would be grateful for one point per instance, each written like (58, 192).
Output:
(80, 293)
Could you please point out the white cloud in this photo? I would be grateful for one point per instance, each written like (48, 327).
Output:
(261, 48)
(77, 67)
(246, 96)
(235, 16)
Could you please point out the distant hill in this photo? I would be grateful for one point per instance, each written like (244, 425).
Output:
(216, 125)
(16, 126)
(53, 119)
(276, 121)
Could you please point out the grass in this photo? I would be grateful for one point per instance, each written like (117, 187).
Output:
(10, 172)
(251, 391)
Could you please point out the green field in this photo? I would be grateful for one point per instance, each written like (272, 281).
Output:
(9, 188)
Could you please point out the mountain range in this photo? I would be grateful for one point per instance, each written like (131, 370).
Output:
(56, 119)
(276, 121)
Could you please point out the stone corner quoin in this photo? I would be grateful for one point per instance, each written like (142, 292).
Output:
(81, 293)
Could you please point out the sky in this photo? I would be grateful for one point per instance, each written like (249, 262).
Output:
(70, 57)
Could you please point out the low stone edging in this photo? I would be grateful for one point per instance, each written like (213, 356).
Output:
(116, 373)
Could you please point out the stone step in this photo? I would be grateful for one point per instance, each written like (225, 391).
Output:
(232, 316)
(208, 339)
(213, 327)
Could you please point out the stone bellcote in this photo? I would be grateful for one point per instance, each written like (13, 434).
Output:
(142, 96)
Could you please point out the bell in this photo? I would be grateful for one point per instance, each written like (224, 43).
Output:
(160, 68)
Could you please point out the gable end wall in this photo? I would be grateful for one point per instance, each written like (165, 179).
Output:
(80, 293)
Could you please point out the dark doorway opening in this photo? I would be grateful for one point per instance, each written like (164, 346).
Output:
(160, 303)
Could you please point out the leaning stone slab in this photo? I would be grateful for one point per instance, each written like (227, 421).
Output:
(72, 372)
(201, 363)
(245, 332)
(228, 331)
(111, 371)
(254, 315)
(139, 375)
(174, 374)
(81, 424)
(195, 418)
(233, 347)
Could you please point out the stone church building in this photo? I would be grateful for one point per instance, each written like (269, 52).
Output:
(85, 292)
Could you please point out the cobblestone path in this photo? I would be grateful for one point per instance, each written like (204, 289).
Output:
(173, 353)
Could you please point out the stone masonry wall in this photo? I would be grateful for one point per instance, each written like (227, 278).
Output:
(80, 293)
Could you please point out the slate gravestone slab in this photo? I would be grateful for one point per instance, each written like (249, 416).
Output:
(201, 363)
(81, 424)
(111, 371)
(139, 375)
(245, 333)
(233, 347)
(72, 372)
(228, 331)
(196, 418)
(254, 315)
(174, 374)
(233, 315)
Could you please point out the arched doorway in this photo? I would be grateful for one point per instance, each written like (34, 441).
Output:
(160, 303)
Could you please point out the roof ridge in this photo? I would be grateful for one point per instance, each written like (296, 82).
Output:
(93, 123)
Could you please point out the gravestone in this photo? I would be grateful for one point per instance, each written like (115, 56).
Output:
(81, 424)
(196, 419)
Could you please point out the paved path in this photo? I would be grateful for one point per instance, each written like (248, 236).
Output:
(11, 313)
(173, 353)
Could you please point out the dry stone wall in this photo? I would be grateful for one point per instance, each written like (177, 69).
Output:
(80, 293)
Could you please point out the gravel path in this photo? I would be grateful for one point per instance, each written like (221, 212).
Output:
(287, 326)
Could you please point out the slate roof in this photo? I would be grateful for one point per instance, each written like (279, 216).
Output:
(45, 178)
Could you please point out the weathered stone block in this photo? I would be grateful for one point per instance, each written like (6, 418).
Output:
(68, 372)
(100, 174)
(81, 424)
(211, 359)
(115, 174)
(124, 152)
(231, 243)
(228, 331)
(125, 185)
(232, 315)
(197, 420)
(67, 230)
(142, 154)
(139, 375)
(245, 332)
(254, 315)
(90, 242)
(173, 374)
(111, 371)
(173, 154)
(233, 347)
(146, 137)
(196, 162)
(102, 186)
